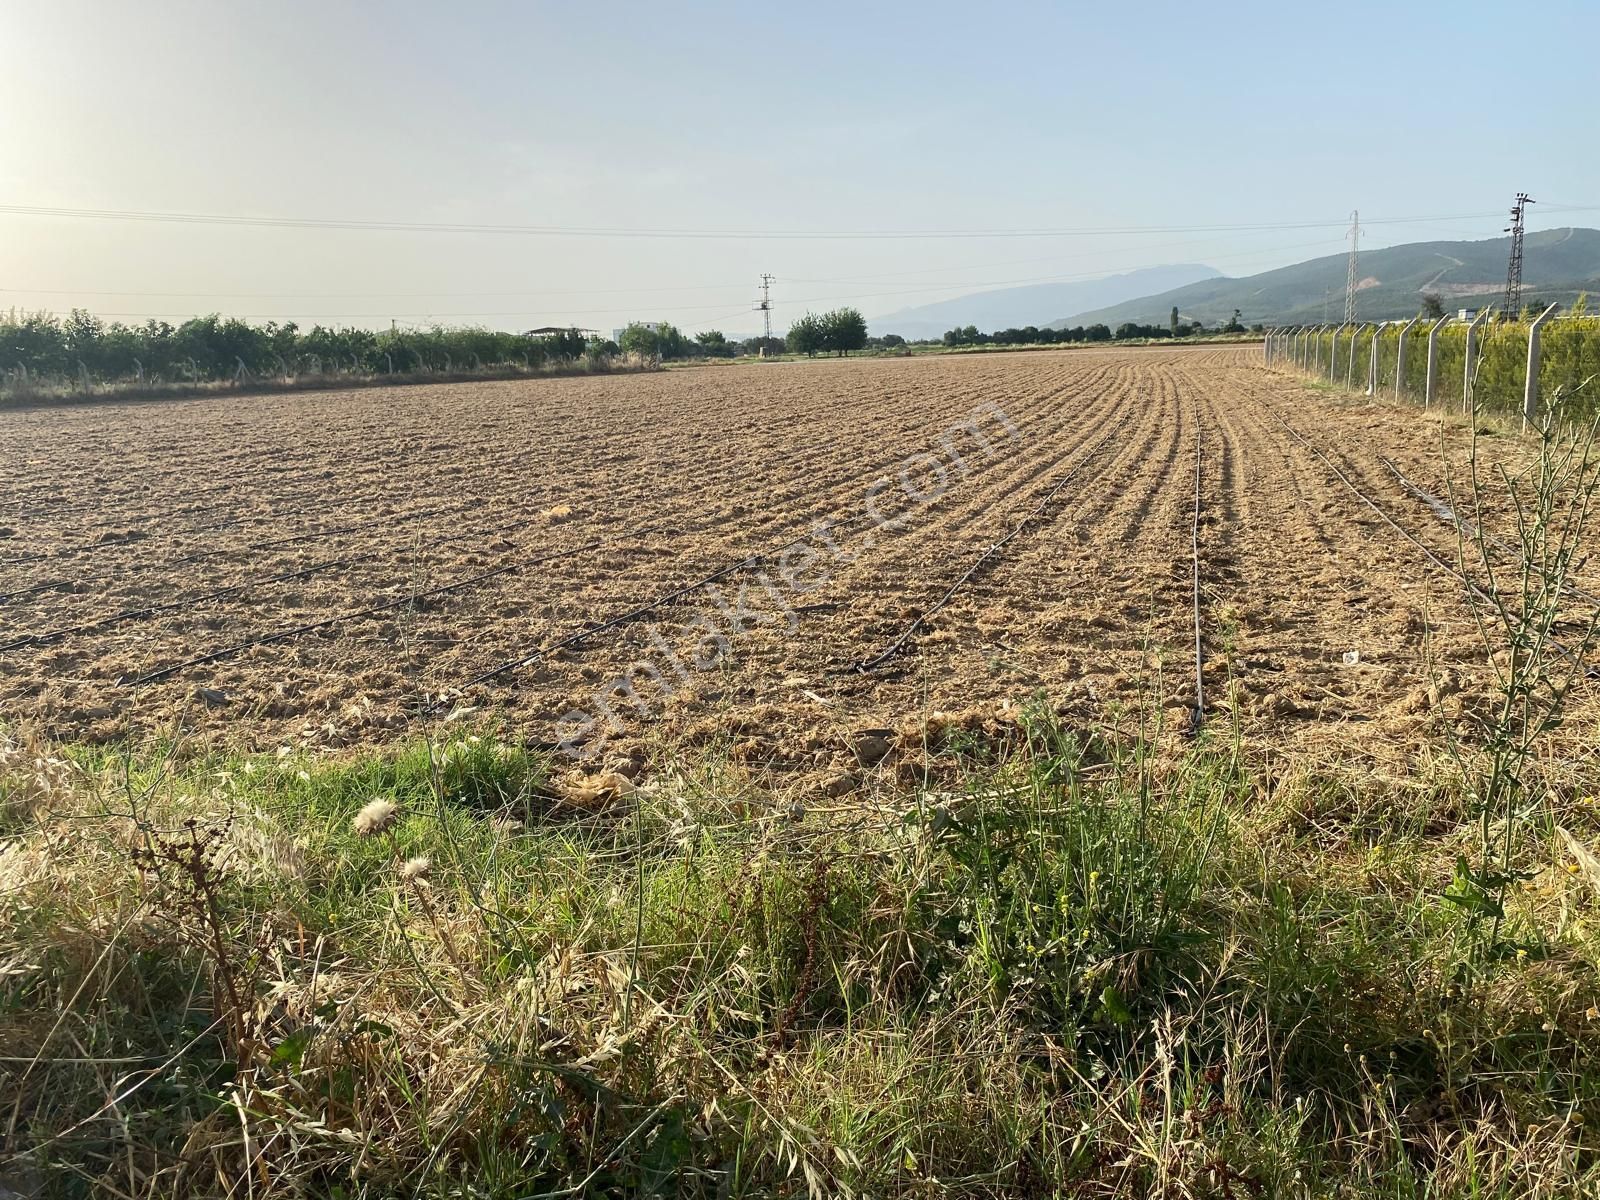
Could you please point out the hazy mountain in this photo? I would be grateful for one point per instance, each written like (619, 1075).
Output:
(1557, 264)
(1035, 304)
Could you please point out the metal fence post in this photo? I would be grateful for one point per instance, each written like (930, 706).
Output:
(1350, 359)
(1466, 376)
(1400, 354)
(1430, 389)
(1530, 386)
(1333, 351)
(1266, 348)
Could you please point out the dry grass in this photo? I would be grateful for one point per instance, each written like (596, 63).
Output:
(1086, 969)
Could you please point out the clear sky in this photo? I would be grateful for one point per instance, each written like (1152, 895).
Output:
(754, 118)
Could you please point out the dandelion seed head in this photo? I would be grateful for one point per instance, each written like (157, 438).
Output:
(414, 870)
(376, 816)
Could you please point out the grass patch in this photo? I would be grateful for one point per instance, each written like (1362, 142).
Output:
(1090, 969)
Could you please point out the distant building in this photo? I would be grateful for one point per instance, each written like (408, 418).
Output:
(545, 331)
(652, 326)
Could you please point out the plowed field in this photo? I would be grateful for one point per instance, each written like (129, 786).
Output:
(747, 548)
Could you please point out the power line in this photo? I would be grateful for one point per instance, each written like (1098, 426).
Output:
(530, 313)
(882, 277)
(268, 222)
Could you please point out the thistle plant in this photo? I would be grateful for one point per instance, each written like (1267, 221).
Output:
(1538, 633)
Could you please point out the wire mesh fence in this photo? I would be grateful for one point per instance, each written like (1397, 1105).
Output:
(1427, 361)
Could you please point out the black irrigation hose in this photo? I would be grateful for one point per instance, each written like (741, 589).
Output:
(899, 644)
(285, 634)
(272, 543)
(632, 614)
(41, 639)
(1448, 515)
(34, 589)
(1194, 547)
(134, 614)
(641, 610)
(1474, 588)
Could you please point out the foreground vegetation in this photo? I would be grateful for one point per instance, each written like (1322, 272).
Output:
(1065, 962)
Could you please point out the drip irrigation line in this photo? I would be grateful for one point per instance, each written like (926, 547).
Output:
(135, 614)
(1194, 551)
(632, 614)
(1471, 529)
(866, 666)
(52, 585)
(1199, 715)
(296, 631)
(222, 593)
(645, 609)
(269, 544)
(1477, 590)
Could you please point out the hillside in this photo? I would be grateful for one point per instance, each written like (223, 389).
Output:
(1558, 263)
(1034, 304)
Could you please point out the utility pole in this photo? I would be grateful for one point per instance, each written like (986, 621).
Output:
(1513, 301)
(765, 305)
(1352, 274)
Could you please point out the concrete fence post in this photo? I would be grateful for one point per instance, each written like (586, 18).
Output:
(1372, 360)
(1472, 345)
(1266, 348)
(1530, 385)
(1400, 354)
(1431, 388)
(1350, 361)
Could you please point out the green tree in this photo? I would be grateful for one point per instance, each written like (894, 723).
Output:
(844, 330)
(1172, 321)
(714, 343)
(564, 346)
(673, 343)
(1432, 306)
(806, 336)
(640, 339)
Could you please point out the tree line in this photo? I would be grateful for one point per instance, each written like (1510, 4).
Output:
(212, 347)
(1033, 335)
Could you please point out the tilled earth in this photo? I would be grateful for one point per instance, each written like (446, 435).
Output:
(779, 555)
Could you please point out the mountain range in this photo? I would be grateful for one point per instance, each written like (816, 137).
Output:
(1557, 265)
(1035, 304)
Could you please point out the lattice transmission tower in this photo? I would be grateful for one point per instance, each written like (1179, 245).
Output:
(1513, 301)
(1353, 272)
(765, 305)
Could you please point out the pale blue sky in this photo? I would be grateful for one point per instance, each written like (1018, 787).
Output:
(751, 117)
